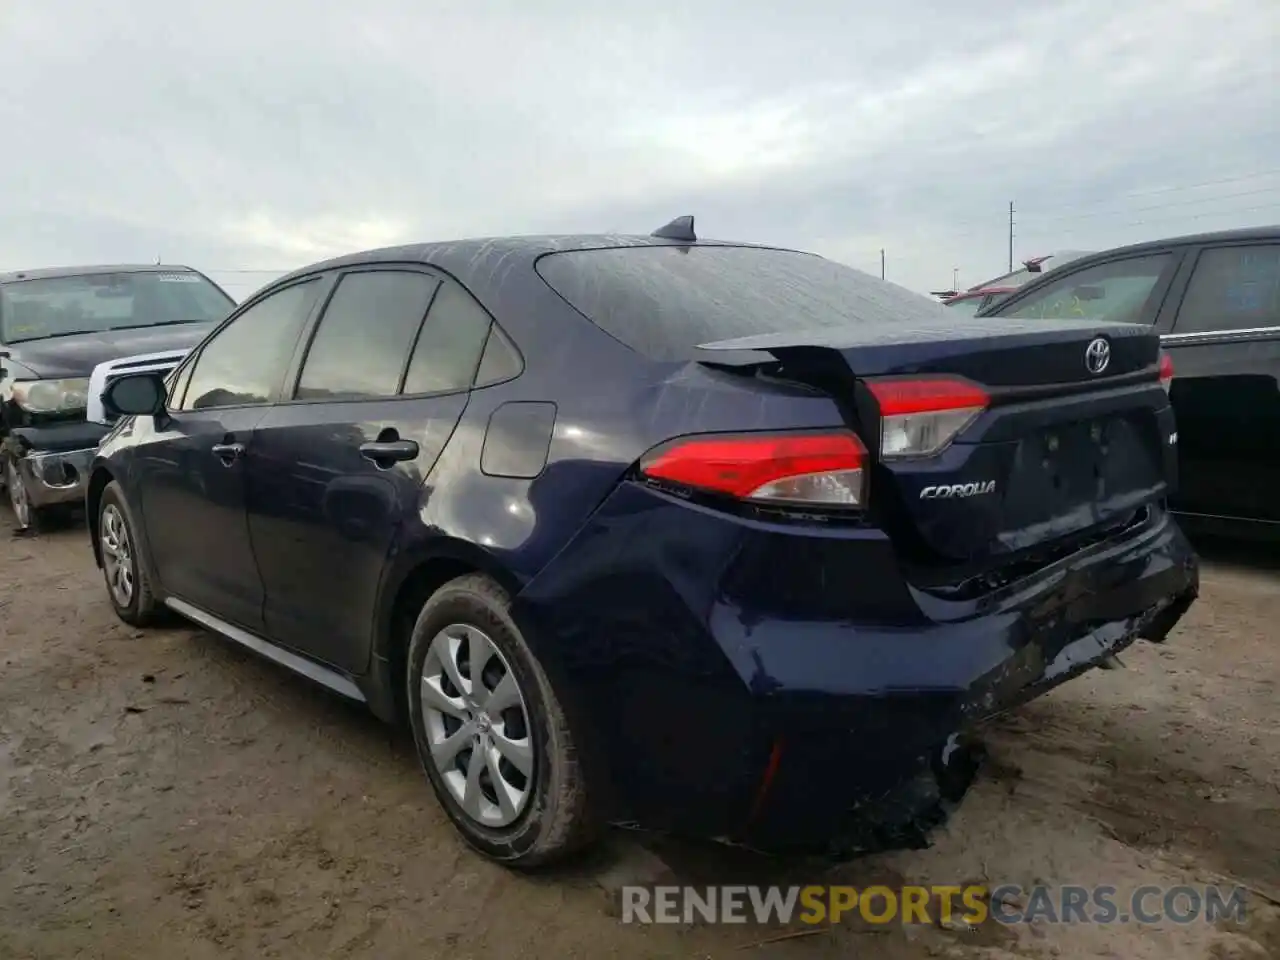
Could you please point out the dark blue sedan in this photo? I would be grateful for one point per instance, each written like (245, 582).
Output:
(719, 539)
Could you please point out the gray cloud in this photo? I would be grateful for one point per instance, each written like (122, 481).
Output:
(266, 135)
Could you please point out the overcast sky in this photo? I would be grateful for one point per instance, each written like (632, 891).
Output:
(260, 136)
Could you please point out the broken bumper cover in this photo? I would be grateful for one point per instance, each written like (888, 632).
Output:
(1074, 617)
(758, 704)
(54, 461)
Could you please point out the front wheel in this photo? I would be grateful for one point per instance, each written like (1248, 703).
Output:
(492, 737)
(123, 564)
(24, 515)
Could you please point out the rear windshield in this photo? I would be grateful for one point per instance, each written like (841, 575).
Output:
(93, 303)
(664, 300)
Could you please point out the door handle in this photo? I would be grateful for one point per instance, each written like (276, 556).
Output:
(228, 452)
(389, 451)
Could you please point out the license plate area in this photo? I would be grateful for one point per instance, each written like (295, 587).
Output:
(1073, 458)
(1075, 468)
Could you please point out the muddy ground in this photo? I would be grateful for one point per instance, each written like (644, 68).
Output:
(168, 795)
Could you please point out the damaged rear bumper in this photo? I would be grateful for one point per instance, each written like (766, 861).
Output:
(794, 693)
(1073, 617)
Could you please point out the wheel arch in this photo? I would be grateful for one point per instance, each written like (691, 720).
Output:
(409, 585)
(407, 589)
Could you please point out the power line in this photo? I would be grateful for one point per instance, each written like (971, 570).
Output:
(1201, 216)
(1159, 206)
(1190, 186)
(1138, 194)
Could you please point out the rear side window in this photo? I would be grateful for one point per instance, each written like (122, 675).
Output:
(1116, 291)
(664, 300)
(364, 338)
(1233, 288)
(500, 360)
(448, 351)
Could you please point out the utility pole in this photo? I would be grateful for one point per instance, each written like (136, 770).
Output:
(1011, 236)
(882, 263)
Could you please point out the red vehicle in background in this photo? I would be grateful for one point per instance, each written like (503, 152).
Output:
(970, 301)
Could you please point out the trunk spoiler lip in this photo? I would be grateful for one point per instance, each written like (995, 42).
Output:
(758, 352)
(874, 336)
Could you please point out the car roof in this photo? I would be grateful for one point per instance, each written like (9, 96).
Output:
(484, 261)
(1191, 239)
(53, 273)
(976, 292)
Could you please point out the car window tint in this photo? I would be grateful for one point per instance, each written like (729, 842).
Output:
(245, 361)
(965, 308)
(448, 350)
(365, 335)
(500, 360)
(665, 300)
(1116, 291)
(177, 385)
(1232, 288)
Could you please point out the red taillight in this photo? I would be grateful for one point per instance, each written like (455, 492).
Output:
(920, 416)
(821, 470)
(1166, 371)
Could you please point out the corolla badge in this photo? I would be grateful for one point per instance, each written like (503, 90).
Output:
(1097, 355)
(947, 491)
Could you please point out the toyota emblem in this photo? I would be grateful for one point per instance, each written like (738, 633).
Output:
(1097, 355)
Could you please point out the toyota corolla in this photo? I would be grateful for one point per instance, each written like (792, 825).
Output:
(720, 539)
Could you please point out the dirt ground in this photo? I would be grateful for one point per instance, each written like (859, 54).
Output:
(169, 795)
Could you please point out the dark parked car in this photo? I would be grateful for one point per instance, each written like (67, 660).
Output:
(990, 292)
(718, 539)
(56, 325)
(1214, 299)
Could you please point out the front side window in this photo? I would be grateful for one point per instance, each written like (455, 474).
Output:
(1115, 291)
(245, 361)
(364, 339)
(95, 303)
(177, 384)
(1232, 288)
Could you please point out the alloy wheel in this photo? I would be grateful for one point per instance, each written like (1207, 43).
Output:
(117, 555)
(477, 725)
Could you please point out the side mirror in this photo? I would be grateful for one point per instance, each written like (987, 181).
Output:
(135, 395)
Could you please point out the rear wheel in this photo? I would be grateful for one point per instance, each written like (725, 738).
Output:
(123, 564)
(492, 736)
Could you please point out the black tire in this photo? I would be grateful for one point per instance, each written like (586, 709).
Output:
(144, 608)
(556, 820)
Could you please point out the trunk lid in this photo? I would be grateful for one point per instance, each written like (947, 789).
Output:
(1062, 448)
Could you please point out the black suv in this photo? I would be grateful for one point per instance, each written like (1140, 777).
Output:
(56, 325)
(1215, 301)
